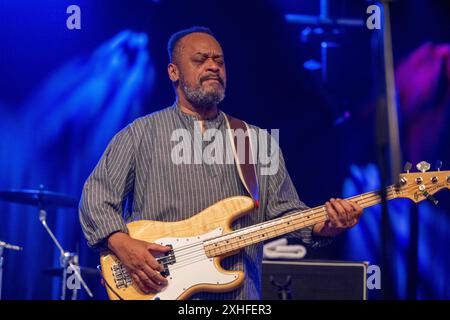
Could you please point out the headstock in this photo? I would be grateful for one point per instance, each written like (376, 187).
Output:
(419, 186)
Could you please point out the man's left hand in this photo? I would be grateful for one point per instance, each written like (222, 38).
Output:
(342, 215)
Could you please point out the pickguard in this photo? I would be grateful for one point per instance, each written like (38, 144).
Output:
(192, 266)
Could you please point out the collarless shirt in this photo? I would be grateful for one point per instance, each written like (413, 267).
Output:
(136, 179)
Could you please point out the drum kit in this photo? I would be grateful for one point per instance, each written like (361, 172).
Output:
(44, 199)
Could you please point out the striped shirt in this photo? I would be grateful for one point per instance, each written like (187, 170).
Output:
(136, 179)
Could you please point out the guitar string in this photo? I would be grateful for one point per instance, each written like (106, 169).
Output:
(374, 196)
(276, 227)
(366, 201)
(200, 257)
(295, 216)
(197, 258)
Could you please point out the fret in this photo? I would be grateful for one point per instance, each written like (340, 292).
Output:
(255, 236)
(283, 225)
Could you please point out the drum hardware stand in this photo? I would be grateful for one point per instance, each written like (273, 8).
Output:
(67, 260)
(42, 198)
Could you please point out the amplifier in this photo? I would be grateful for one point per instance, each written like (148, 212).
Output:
(314, 280)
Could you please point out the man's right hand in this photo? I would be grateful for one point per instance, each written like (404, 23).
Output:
(136, 256)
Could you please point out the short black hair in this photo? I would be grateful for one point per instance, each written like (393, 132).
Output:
(177, 36)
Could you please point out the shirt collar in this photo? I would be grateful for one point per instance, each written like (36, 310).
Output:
(214, 122)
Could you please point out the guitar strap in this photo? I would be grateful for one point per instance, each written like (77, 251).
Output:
(246, 169)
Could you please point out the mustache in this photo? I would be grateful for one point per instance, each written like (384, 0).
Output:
(215, 77)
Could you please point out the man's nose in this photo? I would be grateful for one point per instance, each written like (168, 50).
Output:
(212, 66)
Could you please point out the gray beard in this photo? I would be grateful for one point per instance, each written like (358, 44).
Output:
(201, 98)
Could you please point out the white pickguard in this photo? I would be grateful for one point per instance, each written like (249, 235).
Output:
(184, 275)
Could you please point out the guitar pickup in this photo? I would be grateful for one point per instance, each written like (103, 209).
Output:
(166, 260)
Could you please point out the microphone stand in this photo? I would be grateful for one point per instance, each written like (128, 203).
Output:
(3, 246)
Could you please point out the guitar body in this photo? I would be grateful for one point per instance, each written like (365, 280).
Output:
(188, 269)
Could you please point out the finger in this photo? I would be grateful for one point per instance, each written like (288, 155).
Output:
(155, 276)
(338, 207)
(139, 283)
(153, 263)
(352, 212)
(159, 279)
(341, 216)
(357, 207)
(356, 213)
(332, 214)
(151, 273)
(346, 205)
(144, 279)
(158, 248)
(149, 283)
(356, 210)
(344, 212)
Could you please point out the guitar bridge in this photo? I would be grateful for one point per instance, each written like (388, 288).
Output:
(122, 278)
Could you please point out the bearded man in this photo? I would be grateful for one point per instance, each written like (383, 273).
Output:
(137, 166)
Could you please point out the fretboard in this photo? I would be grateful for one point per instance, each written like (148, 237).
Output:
(241, 238)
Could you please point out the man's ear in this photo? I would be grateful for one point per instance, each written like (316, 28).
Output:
(174, 73)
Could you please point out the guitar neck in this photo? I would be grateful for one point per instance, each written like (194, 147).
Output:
(241, 238)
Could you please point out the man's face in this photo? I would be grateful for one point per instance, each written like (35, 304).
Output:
(201, 66)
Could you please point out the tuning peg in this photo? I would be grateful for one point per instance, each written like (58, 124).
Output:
(423, 166)
(438, 165)
(407, 167)
(429, 197)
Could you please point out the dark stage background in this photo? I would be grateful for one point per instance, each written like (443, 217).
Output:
(65, 93)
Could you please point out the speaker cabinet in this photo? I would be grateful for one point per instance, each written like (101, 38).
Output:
(314, 280)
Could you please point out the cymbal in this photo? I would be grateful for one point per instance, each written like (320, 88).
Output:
(85, 271)
(38, 197)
